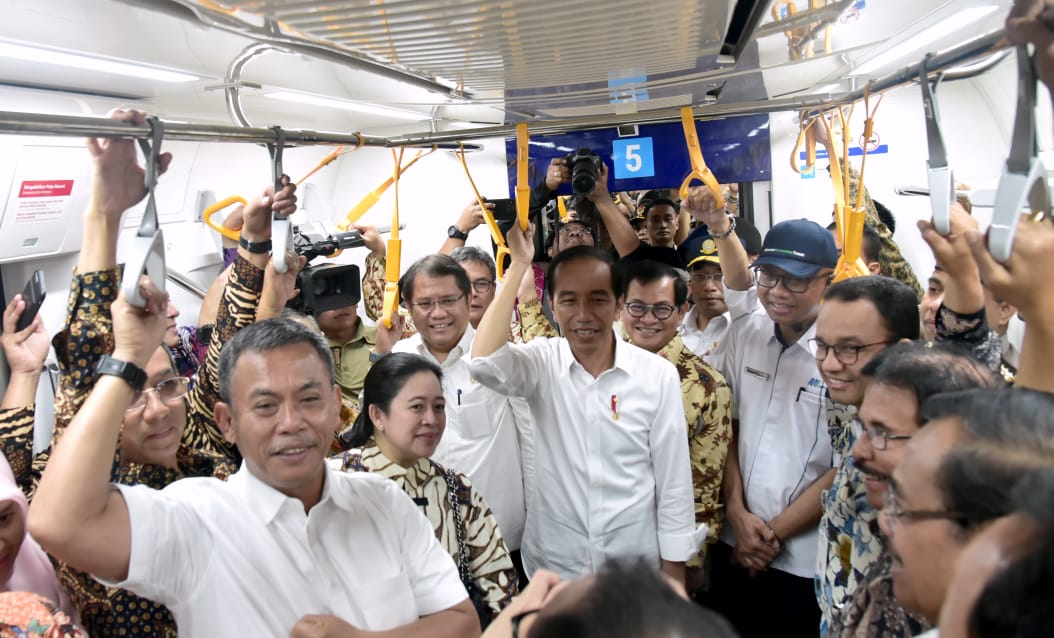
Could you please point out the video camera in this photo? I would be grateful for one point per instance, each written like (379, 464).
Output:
(584, 165)
(326, 286)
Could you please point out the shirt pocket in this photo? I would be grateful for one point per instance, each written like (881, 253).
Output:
(384, 604)
(477, 415)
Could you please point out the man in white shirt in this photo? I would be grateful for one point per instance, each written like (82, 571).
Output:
(481, 425)
(707, 322)
(781, 457)
(617, 477)
(287, 546)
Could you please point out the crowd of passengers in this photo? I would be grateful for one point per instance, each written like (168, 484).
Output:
(667, 425)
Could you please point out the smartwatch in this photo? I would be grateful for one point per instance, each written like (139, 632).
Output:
(255, 247)
(455, 233)
(132, 374)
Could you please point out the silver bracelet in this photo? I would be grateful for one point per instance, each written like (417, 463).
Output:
(731, 229)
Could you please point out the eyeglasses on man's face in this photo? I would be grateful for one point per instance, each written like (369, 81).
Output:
(446, 303)
(482, 285)
(895, 513)
(768, 279)
(879, 439)
(170, 391)
(847, 354)
(702, 277)
(661, 311)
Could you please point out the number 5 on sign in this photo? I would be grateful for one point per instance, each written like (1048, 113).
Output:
(633, 158)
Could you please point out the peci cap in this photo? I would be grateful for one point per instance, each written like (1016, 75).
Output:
(799, 247)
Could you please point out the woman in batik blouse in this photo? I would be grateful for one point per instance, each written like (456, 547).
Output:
(402, 420)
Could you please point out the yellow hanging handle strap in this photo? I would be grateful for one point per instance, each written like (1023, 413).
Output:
(488, 218)
(695, 154)
(233, 234)
(806, 136)
(374, 196)
(395, 253)
(561, 207)
(523, 186)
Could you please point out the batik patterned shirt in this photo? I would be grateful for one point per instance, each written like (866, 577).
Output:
(873, 610)
(426, 484)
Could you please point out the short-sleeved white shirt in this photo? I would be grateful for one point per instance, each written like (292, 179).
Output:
(704, 342)
(481, 438)
(239, 558)
(783, 442)
(605, 487)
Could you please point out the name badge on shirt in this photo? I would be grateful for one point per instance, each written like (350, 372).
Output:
(758, 374)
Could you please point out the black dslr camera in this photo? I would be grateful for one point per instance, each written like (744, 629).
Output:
(584, 165)
(326, 286)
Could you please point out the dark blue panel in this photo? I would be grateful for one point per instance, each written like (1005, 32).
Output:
(736, 150)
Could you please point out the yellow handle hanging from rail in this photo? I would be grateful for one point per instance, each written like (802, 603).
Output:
(374, 196)
(395, 253)
(235, 235)
(488, 218)
(523, 186)
(695, 154)
(806, 136)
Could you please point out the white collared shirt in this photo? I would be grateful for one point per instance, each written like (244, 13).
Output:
(614, 477)
(783, 442)
(481, 436)
(239, 558)
(704, 342)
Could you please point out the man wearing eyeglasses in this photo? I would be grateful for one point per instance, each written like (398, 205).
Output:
(481, 436)
(781, 457)
(656, 300)
(858, 319)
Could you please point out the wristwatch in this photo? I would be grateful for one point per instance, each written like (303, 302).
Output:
(455, 233)
(255, 247)
(132, 374)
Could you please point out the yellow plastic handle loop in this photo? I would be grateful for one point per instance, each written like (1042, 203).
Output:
(371, 198)
(395, 252)
(695, 154)
(488, 217)
(523, 187)
(229, 233)
(806, 137)
(561, 206)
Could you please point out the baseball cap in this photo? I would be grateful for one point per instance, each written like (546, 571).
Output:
(799, 247)
(636, 221)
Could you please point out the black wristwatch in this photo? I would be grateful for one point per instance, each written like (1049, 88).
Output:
(255, 247)
(131, 373)
(455, 233)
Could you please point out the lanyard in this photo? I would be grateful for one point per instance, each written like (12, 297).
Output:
(695, 154)
(941, 180)
(395, 252)
(1024, 180)
(488, 217)
(147, 253)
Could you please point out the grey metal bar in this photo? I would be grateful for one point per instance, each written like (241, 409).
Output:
(17, 123)
(185, 283)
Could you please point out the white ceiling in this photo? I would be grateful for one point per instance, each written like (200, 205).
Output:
(516, 59)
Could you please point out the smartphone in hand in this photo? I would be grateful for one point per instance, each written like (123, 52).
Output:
(33, 294)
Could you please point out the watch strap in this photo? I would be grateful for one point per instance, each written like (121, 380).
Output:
(255, 247)
(456, 233)
(132, 374)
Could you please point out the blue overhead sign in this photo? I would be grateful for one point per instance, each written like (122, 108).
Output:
(735, 149)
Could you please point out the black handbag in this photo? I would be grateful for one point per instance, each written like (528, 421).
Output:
(475, 594)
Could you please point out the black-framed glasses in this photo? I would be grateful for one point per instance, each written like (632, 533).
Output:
(880, 439)
(519, 618)
(482, 285)
(170, 391)
(661, 311)
(847, 354)
(768, 279)
(446, 303)
(893, 511)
